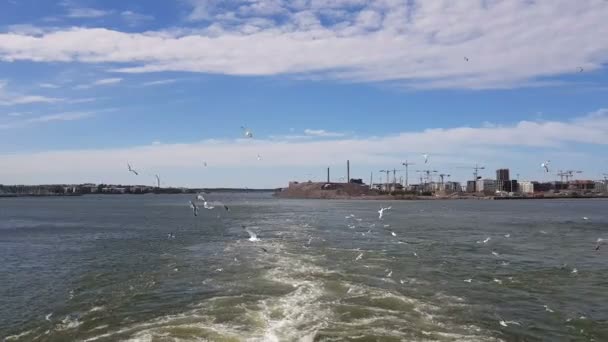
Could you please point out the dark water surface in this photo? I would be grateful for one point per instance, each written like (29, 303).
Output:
(102, 269)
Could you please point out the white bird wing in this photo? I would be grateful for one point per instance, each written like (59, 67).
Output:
(252, 236)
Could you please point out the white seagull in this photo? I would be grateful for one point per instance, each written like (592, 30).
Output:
(507, 235)
(132, 170)
(381, 212)
(207, 206)
(194, 208)
(426, 158)
(393, 234)
(495, 254)
(259, 157)
(359, 257)
(547, 308)
(545, 165)
(468, 280)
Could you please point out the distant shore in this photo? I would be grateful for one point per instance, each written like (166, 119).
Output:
(159, 192)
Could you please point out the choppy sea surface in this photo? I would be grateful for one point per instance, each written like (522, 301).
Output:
(103, 268)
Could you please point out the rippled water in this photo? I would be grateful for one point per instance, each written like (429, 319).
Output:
(103, 269)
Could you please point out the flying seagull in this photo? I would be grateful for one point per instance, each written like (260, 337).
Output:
(359, 257)
(259, 157)
(381, 212)
(252, 236)
(545, 165)
(506, 323)
(426, 158)
(466, 59)
(194, 208)
(600, 242)
(205, 164)
(580, 69)
(132, 170)
(226, 208)
(247, 132)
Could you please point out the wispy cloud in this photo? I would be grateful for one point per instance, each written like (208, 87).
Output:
(322, 133)
(71, 116)
(8, 98)
(420, 44)
(134, 18)
(159, 82)
(101, 82)
(16, 114)
(48, 85)
(67, 116)
(494, 145)
(86, 13)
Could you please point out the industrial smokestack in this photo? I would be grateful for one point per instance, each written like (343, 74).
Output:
(327, 175)
(347, 171)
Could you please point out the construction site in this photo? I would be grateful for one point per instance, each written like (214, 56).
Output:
(432, 184)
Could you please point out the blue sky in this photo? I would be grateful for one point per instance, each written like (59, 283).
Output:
(87, 85)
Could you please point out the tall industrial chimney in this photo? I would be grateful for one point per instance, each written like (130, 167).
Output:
(347, 171)
(328, 175)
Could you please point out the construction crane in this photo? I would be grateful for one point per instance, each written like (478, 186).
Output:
(387, 177)
(475, 168)
(395, 178)
(561, 175)
(442, 175)
(407, 164)
(428, 174)
(569, 174)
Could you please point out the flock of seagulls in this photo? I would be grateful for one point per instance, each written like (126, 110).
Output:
(504, 323)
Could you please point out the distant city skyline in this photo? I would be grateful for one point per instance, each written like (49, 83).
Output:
(88, 86)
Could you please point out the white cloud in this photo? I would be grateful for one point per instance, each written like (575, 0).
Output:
(322, 133)
(528, 142)
(420, 44)
(8, 98)
(101, 82)
(134, 18)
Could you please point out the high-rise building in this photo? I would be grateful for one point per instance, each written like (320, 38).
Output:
(486, 186)
(503, 181)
